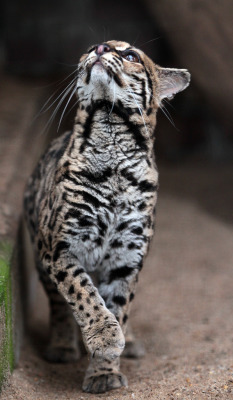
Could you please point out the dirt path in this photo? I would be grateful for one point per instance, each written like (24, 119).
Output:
(183, 311)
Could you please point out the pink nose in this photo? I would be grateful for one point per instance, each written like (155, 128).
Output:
(101, 49)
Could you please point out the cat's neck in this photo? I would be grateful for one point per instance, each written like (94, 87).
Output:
(110, 115)
(104, 130)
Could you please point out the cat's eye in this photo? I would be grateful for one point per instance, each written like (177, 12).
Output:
(131, 56)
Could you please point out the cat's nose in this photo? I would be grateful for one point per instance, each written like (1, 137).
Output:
(101, 49)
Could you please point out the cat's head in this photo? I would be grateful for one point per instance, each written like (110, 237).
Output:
(118, 71)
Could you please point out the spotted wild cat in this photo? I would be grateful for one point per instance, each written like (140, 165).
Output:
(90, 205)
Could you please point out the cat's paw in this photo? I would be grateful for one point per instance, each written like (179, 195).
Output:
(61, 354)
(104, 382)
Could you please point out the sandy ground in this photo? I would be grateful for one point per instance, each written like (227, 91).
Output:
(183, 310)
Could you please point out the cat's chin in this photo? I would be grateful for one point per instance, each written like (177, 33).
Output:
(99, 75)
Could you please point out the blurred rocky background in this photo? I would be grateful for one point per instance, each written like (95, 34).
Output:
(45, 39)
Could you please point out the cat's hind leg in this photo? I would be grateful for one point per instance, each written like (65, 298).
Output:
(134, 348)
(63, 341)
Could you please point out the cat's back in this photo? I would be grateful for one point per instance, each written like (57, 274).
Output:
(41, 182)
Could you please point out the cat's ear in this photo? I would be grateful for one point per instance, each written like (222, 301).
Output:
(171, 81)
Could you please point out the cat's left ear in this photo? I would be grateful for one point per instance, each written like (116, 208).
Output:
(171, 81)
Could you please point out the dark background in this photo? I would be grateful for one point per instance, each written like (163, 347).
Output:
(44, 39)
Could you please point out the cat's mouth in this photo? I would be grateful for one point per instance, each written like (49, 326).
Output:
(99, 63)
(101, 69)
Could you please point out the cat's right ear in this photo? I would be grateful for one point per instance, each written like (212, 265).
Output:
(171, 81)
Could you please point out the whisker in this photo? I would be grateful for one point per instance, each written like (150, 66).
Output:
(66, 65)
(137, 37)
(73, 72)
(166, 112)
(73, 106)
(60, 98)
(91, 29)
(43, 109)
(57, 107)
(169, 104)
(73, 92)
(58, 82)
(168, 116)
(149, 41)
(104, 29)
(114, 96)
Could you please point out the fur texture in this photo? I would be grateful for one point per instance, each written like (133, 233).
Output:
(90, 206)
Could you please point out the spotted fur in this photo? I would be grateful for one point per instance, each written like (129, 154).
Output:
(90, 205)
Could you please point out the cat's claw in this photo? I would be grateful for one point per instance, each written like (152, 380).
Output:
(104, 382)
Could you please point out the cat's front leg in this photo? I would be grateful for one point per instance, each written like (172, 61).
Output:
(118, 292)
(117, 287)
